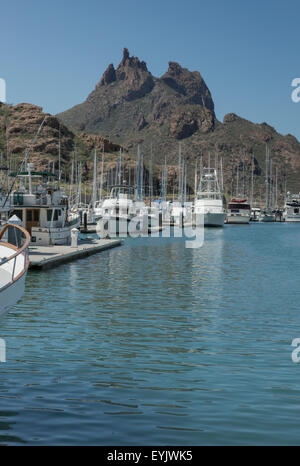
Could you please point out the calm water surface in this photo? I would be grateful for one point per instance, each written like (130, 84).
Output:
(153, 343)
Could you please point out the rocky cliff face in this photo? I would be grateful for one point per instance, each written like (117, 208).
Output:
(19, 126)
(19, 132)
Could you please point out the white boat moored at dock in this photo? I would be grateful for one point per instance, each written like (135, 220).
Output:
(238, 212)
(14, 263)
(255, 214)
(209, 200)
(291, 211)
(43, 208)
(267, 216)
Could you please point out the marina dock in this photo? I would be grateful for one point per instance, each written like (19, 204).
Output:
(44, 257)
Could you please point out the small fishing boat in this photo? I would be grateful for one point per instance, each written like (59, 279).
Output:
(14, 264)
(238, 212)
(255, 214)
(267, 215)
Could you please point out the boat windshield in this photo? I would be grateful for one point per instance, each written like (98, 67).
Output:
(122, 191)
(236, 205)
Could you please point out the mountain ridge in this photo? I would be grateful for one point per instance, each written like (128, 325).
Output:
(131, 106)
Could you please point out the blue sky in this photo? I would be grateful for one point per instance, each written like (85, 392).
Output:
(54, 53)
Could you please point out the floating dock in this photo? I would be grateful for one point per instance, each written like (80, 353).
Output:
(45, 257)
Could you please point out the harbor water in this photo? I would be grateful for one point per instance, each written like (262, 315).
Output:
(152, 343)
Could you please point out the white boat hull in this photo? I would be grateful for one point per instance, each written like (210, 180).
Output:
(13, 266)
(53, 236)
(292, 219)
(267, 218)
(238, 219)
(12, 294)
(214, 219)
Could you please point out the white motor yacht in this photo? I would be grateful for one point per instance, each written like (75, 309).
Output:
(209, 201)
(291, 211)
(43, 208)
(238, 211)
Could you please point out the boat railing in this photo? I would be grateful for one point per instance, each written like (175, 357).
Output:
(18, 240)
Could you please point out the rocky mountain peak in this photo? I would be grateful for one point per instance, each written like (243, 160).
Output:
(190, 85)
(130, 68)
(125, 56)
(109, 76)
(174, 68)
(130, 64)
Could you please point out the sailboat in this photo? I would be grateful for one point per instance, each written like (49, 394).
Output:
(14, 264)
(180, 212)
(124, 203)
(239, 209)
(291, 211)
(267, 214)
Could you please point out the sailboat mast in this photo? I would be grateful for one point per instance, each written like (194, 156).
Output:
(179, 173)
(276, 189)
(142, 176)
(101, 179)
(267, 177)
(150, 176)
(237, 180)
(59, 157)
(166, 180)
(196, 178)
(252, 179)
(94, 196)
(222, 179)
(244, 173)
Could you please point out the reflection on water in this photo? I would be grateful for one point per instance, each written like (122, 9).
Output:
(153, 343)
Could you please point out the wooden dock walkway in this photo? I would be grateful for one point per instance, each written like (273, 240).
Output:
(44, 257)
